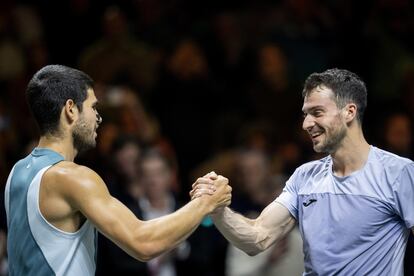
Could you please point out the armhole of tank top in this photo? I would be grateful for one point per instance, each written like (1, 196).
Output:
(37, 181)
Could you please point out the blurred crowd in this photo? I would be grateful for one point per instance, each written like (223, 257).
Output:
(186, 87)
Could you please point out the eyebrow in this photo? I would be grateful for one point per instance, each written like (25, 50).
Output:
(313, 108)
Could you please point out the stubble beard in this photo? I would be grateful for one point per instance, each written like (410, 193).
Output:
(332, 143)
(83, 137)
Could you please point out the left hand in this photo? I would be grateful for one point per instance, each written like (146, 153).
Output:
(204, 185)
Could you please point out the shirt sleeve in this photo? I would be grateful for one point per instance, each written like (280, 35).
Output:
(404, 195)
(289, 195)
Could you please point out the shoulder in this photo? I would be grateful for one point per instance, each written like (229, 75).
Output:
(390, 165)
(390, 161)
(314, 167)
(69, 177)
(70, 171)
(309, 173)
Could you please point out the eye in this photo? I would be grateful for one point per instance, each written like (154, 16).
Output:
(317, 113)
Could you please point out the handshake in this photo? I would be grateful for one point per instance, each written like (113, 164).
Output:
(213, 189)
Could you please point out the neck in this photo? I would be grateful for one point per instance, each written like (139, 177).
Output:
(351, 155)
(63, 146)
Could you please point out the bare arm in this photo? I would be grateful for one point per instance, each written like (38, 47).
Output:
(254, 236)
(143, 240)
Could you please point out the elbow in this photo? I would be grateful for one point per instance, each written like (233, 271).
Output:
(147, 251)
(145, 258)
(252, 253)
(253, 250)
(144, 255)
(261, 243)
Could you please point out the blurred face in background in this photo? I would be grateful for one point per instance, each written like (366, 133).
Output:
(156, 176)
(273, 66)
(253, 170)
(188, 61)
(127, 160)
(398, 134)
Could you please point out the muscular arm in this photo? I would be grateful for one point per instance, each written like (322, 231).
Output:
(86, 192)
(254, 236)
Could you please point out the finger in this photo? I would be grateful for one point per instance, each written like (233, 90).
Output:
(222, 178)
(200, 194)
(211, 187)
(205, 180)
(211, 175)
(201, 187)
(205, 191)
(202, 180)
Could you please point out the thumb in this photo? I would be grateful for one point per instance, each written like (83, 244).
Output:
(212, 175)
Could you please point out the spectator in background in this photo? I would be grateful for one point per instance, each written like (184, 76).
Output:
(255, 186)
(126, 115)
(389, 27)
(226, 46)
(143, 181)
(271, 85)
(12, 59)
(406, 90)
(118, 56)
(128, 111)
(157, 179)
(126, 155)
(397, 134)
(184, 94)
(124, 181)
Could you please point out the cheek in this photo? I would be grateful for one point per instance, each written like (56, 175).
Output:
(333, 123)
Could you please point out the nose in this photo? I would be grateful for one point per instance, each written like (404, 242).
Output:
(308, 122)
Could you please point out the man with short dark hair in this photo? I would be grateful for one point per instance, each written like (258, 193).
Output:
(54, 205)
(355, 207)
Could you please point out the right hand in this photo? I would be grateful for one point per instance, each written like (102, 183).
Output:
(219, 198)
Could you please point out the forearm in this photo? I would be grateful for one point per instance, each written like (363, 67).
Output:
(240, 231)
(145, 240)
(165, 233)
(254, 236)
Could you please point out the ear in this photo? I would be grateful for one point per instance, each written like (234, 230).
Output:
(350, 111)
(70, 111)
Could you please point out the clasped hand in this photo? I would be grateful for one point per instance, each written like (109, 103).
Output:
(214, 187)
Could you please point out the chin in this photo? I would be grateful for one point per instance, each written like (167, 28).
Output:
(317, 147)
(317, 150)
(320, 149)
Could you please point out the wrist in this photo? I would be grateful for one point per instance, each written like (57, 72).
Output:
(203, 205)
(218, 213)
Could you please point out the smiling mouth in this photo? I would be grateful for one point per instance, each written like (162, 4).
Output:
(315, 134)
